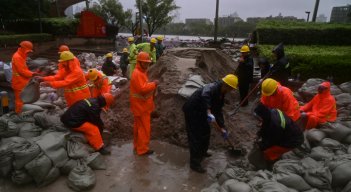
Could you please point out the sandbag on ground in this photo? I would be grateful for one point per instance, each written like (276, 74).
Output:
(30, 107)
(321, 153)
(21, 177)
(25, 154)
(288, 166)
(233, 185)
(331, 144)
(47, 121)
(81, 178)
(53, 145)
(347, 188)
(319, 177)
(96, 161)
(343, 100)
(270, 186)
(336, 131)
(314, 136)
(213, 188)
(340, 167)
(39, 168)
(28, 130)
(8, 128)
(5, 162)
(69, 166)
(76, 149)
(293, 181)
(53, 174)
(346, 87)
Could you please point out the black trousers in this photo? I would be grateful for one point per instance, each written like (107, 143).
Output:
(198, 131)
(244, 87)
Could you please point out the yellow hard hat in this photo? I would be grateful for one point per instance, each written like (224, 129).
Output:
(66, 56)
(125, 50)
(160, 38)
(269, 86)
(93, 74)
(108, 55)
(153, 40)
(130, 39)
(245, 49)
(231, 80)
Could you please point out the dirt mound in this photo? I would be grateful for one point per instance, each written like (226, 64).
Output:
(172, 70)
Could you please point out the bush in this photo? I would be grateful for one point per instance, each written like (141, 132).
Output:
(16, 39)
(55, 26)
(317, 61)
(302, 33)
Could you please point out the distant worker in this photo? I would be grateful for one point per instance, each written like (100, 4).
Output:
(123, 61)
(70, 77)
(159, 47)
(133, 52)
(109, 68)
(142, 104)
(321, 109)
(101, 83)
(84, 116)
(278, 135)
(245, 73)
(204, 107)
(277, 96)
(149, 48)
(20, 72)
(280, 70)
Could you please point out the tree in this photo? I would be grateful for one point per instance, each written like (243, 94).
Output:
(19, 9)
(113, 13)
(157, 13)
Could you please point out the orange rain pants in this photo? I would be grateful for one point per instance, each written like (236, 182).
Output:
(141, 131)
(20, 76)
(92, 134)
(274, 153)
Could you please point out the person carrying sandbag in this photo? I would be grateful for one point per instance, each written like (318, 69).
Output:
(101, 83)
(321, 109)
(70, 77)
(20, 72)
(84, 116)
(204, 107)
(278, 134)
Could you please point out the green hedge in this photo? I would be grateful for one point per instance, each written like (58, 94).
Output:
(16, 39)
(55, 26)
(302, 33)
(317, 61)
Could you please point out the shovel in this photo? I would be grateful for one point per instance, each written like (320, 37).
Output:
(231, 150)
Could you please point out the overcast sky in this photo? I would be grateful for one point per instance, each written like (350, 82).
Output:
(249, 8)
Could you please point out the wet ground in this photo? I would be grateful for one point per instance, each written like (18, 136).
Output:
(166, 170)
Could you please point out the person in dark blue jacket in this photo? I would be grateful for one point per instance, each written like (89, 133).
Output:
(245, 74)
(203, 107)
(280, 71)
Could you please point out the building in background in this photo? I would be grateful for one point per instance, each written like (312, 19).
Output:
(321, 18)
(69, 12)
(191, 21)
(341, 14)
(228, 20)
(271, 18)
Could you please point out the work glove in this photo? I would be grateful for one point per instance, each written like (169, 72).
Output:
(225, 134)
(38, 79)
(211, 118)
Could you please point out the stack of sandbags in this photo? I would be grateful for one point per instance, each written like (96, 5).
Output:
(37, 148)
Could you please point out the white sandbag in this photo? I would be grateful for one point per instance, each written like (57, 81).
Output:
(233, 185)
(321, 153)
(96, 161)
(29, 130)
(320, 178)
(21, 177)
(25, 154)
(330, 143)
(39, 168)
(292, 180)
(314, 136)
(232, 173)
(31, 93)
(53, 145)
(288, 166)
(336, 131)
(81, 178)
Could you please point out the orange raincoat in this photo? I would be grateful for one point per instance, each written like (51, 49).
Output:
(101, 85)
(141, 104)
(321, 109)
(284, 100)
(20, 76)
(70, 77)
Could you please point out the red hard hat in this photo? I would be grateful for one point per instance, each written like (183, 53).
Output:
(63, 48)
(109, 98)
(27, 46)
(144, 57)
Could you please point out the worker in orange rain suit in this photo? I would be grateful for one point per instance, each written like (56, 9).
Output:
(142, 104)
(277, 96)
(84, 116)
(20, 72)
(321, 109)
(70, 77)
(101, 83)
